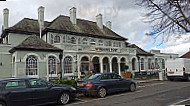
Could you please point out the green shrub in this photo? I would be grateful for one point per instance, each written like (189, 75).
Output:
(65, 82)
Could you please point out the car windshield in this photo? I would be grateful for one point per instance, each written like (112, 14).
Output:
(91, 77)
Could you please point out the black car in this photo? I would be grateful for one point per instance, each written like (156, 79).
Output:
(102, 84)
(33, 91)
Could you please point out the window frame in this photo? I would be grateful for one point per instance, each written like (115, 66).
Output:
(142, 64)
(31, 66)
(15, 87)
(57, 39)
(53, 64)
(68, 65)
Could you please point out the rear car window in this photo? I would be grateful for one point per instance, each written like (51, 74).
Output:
(106, 76)
(15, 85)
(1, 86)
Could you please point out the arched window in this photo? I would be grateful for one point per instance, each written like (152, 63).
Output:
(31, 65)
(133, 64)
(57, 39)
(84, 41)
(100, 43)
(73, 40)
(52, 65)
(142, 63)
(149, 63)
(93, 42)
(68, 64)
(163, 64)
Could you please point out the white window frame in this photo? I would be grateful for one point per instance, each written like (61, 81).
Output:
(68, 65)
(52, 64)
(32, 66)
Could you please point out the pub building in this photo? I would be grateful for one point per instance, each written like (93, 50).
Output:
(64, 47)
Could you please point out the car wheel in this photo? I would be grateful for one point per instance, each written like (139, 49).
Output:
(132, 87)
(64, 98)
(102, 92)
(2, 104)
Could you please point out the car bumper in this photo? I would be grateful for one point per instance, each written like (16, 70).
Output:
(86, 91)
(177, 77)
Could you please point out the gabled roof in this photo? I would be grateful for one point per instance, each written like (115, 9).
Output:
(140, 51)
(63, 24)
(35, 43)
(186, 55)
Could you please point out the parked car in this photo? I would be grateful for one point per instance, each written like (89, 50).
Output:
(33, 91)
(103, 83)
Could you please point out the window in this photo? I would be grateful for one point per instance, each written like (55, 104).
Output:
(133, 64)
(38, 83)
(64, 39)
(115, 76)
(52, 65)
(93, 42)
(163, 64)
(108, 43)
(142, 63)
(68, 64)
(149, 63)
(1, 86)
(68, 39)
(119, 44)
(114, 44)
(57, 39)
(51, 39)
(31, 65)
(84, 41)
(100, 43)
(156, 64)
(79, 41)
(73, 40)
(15, 85)
(106, 76)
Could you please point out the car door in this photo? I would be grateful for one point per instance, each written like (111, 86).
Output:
(120, 83)
(108, 82)
(17, 93)
(41, 93)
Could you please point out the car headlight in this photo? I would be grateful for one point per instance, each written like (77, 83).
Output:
(73, 88)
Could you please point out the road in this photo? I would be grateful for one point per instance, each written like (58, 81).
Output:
(149, 94)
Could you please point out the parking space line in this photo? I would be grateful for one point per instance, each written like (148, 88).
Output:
(180, 102)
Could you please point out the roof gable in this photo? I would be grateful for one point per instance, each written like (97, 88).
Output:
(186, 55)
(141, 51)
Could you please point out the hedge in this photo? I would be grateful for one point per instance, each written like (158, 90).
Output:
(65, 82)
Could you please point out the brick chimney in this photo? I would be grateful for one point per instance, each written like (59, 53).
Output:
(73, 18)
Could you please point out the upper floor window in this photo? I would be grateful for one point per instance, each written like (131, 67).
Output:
(100, 43)
(108, 43)
(119, 44)
(64, 39)
(57, 39)
(73, 40)
(31, 66)
(84, 41)
(142, 63)
(68, 39)
(51, 39)
(156, 64)
(93, 42)
(79, 41)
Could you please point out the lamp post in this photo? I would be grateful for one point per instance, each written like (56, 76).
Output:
(139, 66)
(60, 58)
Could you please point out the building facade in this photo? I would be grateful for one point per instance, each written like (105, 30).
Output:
(68, 47)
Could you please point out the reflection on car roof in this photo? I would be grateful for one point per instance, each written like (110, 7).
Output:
(7, 79)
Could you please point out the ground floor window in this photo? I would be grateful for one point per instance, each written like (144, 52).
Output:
(52, 65)
(31, 65)
(68, 64)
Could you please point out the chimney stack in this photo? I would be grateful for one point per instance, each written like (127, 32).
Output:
(73, 18)
(108, 24)
(5, 18)
(99, 21)
(41, 17)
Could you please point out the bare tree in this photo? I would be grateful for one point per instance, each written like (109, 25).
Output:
(167, 17)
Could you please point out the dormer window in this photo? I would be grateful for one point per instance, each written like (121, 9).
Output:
(108, 43)
(100, 43)
(84, 41)
(57, 39)
(64, 39)
(93, 42)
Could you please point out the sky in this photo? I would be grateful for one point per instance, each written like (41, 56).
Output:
(126, 17)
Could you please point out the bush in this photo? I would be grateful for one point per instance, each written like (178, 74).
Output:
(65, 82)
